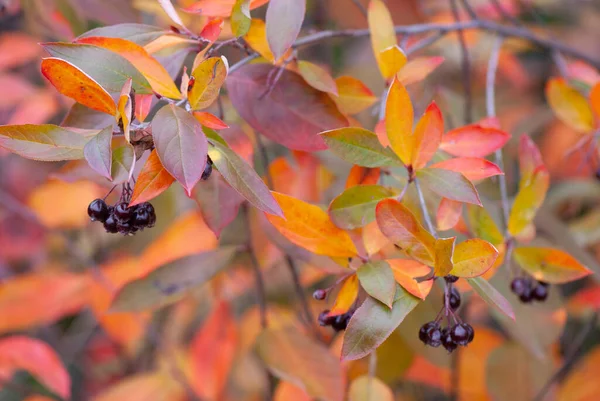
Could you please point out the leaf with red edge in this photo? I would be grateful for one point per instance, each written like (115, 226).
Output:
(291, 114)
(550, 265)
(491, 296)
(427, 136)
(210, 120)
(473, 258)
(180, 145)
(345, 297)
(399, 121)
(152, 181)
(317, 77)
(530, 159)
(98, 152)
(418, 68)
(398, 223)
(377, 279)
(473, 140)
(36, 357)
(449, 184)
(210, 365)
(383, 35)
(528, 201)
(212, 30)
(218, 8)
(448, 214)
(569, 105)
(353, 95)
(284, 20)
(218, 201)
(473, 168)
(76, 84)
(406, 271)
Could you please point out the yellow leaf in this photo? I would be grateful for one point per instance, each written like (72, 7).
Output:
(444, 249)
(399, 121)
(308, 226)
(208, 77)
(256, 37)
(383, 35)
(346, 297)
(570, 106)
(473, 257)
(156, 386)
(125, 108)
(367, 388)
(391, 61)
(353, 95)
(528, 201)
(550, 265)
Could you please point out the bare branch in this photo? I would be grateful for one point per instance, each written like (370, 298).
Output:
(466, 65)
(362, 8)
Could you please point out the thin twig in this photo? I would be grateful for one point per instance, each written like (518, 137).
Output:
(261, 293)
(424, 209)
(423, 43)
(362, 8)
(466, 66)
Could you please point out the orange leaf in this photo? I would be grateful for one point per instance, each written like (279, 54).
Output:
(473, 140)
(550, 265)
(398, 223)
(595, 100)
(582, 383)
(143, 104)
(444, 250)
(211, 364)
(346, 296)
(418, 69)
(212, 29)
(151, 182)
(256, 37)
(35, 299)
(427, 136)
(405, 272)
(473, 168)
(448, 214)
(209, 120)
(125, 108)
(155, 386)
(399, 121)
(362, 176)
(381, 133)
(391, 60)
(373, 238)
(36, 357)
(528, 200)
(473, 258)
(152, 70)
(383, 35)
(176, 242)
(353, 95)
(309, 226)
(317, 77)
(287, 391)
(570, 106)
(76, 84)
(366, 388)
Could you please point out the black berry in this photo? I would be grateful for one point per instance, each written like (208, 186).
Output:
(518, 286)
(110, 225)
(98, 210)
(140, 218)
(320, 295)
(424, 331)
(526, 296)
(447, 340)
(341, 322)
(207, 169)
(325, 319)
(540, 292)
(151, 213)
(454, 299)
(124, 227)
(470, 331)
(435, 337)
(459, 334)
(122, 212)
(450, 278)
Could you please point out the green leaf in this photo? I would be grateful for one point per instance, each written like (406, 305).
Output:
(243, 178)
(377, 279)
(490, 295)
(137, 33)
(355, 207)
(359, 146)
(373, 322)
(483, 226)
(240, 18)
(98, 152)
(171, 282)
(550, 265)
(294, 357)
(46, 142)
(107, 68)
(449, 184)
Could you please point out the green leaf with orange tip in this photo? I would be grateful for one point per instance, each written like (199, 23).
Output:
(359, 146)
(240, 17)
(449, 184)
(377, 279)
(317, 77)
(444, 250)
(353, 95)
(98, 152)
(427, 136)
(137, 33)
(383, 35)
(483, 226)
(45, 142)
(418, 68)
(296, 358)
(399, 118)
(398, 223)
(406, 271)
(528, 200)
(76, 84)
(151, 69)
(208, 76)
(570, 106)
(473, 168)
(355, 207)
(391, 60)
(373, 322)
(153, 180)
(491, 296)
(473, 257)
(309, 227)
(367, 388)
(345, 297)
(474, 140)
(550, 265)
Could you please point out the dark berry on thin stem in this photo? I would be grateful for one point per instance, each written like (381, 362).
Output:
(540, 292)
(518, 286)
(459, 334)
(450, 278)
(454, 299)
(320, 295)
(435, 336)
(526, 295)
(140, 218)
(424, 331)
(341, 322)
(110, 225)
(470, 331)
(98, 210)
(122, 212)
(447, 341)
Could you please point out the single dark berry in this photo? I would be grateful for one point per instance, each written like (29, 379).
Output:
(470, 331)
(207, 170)
(152, 221)
(425, 329)
(98, 210)
(140, 218)
(325, 319)
(459, 334)
(320, 295)
(147, 206)
(526, 296)
(518, 286)
(435, 337)
(450, 278)
(539, 292)
(447, 341)
(110, 225)
(454, 299)
(122, 212)
(341, 322)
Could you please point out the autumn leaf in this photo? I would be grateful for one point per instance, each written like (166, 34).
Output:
(240, 17)
(570, 106)
(448, 214)
(256, 37)
(483, 226)
(427, 136)
(359, 175)
(309, 227)
(391, 60)
(98, 152)
(449, 184)
(367, 388)
(399, 121)
(355, 207)
(76, 84)
(284, 20)
(418, 68)
(218, 8)
(123, 161)
(406, 271)
(125, 109)
(473, 258)
(317, 77)
(157, 385)
(444, 256)
(153, 180)
(208, 77)
(137, 33)
(530, 160)
(209, 120)
(287, 391)
(169, 9)
(345, 297)
(383, 35)
(353, 95)
(491, 296)
(528, 201)
(377, 279)
(473, 168)
(473, 140)
(595, 100)
(550, 265)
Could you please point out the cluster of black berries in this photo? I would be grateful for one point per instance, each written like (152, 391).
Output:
(432, 334)
(529, 289)
(338, 323)
(121, 218)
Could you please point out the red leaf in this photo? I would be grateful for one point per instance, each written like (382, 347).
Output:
(292, 114)
(152, 181)
(143, 104)
(473, 168)
(474, 140)
(210, 120)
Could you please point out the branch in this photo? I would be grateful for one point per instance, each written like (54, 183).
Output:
(261, 293)
(466, 65)
(362, 8)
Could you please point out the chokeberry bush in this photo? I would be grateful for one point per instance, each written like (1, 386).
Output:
(421, 191)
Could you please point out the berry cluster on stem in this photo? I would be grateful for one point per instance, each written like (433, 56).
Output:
(529, 289)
